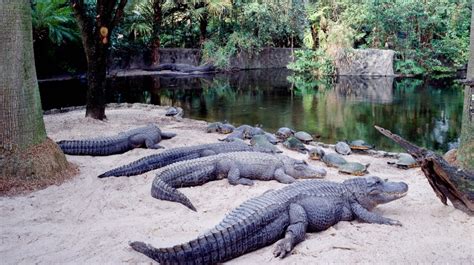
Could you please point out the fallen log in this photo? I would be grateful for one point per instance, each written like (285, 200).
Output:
(447, 181)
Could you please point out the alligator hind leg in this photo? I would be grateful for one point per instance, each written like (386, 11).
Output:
(295, 232)
(282, 177)
(234, 177)
(167, 135)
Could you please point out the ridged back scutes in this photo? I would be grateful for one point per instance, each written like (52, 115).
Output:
(284, 196)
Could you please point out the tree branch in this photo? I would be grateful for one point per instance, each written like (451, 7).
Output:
(118, 14)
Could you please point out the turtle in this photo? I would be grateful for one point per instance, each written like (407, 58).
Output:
(271, 138)
(405, 161)
(293, 143)
(171, 111)
(360, 145)
(213, 127)
(343, 148)
(245, 129)
(284, 132)
(304, 137)
(331, 160)
(226, 128)
(233, 135)
(261, 142)
(354, 168)
(253, 131)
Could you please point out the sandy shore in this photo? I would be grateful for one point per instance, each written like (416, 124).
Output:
(89, 220)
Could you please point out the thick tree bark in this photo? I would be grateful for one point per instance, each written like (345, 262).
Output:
(22, 128)
(95, 32)
(465, 153)
(156, 42)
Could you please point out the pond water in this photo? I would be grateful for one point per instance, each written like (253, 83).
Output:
(426, 113)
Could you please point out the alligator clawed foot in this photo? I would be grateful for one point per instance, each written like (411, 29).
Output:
(394, 222)
(282, 248)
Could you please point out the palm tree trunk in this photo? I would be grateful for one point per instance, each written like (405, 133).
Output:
(465, 154)
(25, 152)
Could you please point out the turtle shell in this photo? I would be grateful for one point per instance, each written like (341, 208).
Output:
(304, 136)
(360, 145)
(284, 132)
(343, 148)
(333, 160)
(213, 127)
(295, 144)
(226, 128)
(171, 111)
(316, 153)
(354, 168)
(406, 161)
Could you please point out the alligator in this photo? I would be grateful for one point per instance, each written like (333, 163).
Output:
(177, 67)
(148, 136)
(283, 215)
(174, 155)
(239, 168)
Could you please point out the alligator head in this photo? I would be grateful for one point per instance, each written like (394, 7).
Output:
(372, 191)
(301, 169)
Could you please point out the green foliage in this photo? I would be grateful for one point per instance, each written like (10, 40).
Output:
(53, 19)
(408, 67)
(431, 37)
(315, 62)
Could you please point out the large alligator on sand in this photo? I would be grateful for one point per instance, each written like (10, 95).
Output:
(147, 136)
(238, 168)
(174, 155)
(285, 215)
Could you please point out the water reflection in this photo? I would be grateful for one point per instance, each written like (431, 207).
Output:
(346, 108)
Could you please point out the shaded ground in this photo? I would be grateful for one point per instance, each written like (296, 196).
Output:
(89, 220)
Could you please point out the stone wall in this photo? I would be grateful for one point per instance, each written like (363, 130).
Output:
(267, 58)
(373, 62)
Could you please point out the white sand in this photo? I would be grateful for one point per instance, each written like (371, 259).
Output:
(89, 220)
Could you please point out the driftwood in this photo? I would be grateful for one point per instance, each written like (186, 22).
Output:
(447, 181)
(185, 68)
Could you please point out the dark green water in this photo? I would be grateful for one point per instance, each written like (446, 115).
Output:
(426, 113)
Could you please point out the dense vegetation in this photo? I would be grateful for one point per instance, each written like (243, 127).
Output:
(428, 36)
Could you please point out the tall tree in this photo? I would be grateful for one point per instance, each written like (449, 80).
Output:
(466, 147)
(25, 151)
(96, 25)
(155, 41)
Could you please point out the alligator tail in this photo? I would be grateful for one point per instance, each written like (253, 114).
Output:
(137, 167)
(182, 175)
(106, 146)
(203, 250)
(149, 163)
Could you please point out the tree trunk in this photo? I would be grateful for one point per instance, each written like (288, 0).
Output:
(95, 33)
(465, 153)
(203, 21)
(156, 42)
(96, 83)
(25, 152)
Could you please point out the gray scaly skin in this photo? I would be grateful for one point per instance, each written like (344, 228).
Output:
(238, 168)
(147, 136)
(174, 155)
(283, 215)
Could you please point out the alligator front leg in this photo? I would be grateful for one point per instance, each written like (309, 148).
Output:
(371, 217)
(282, 177)
(234, 177)
(295, 232)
